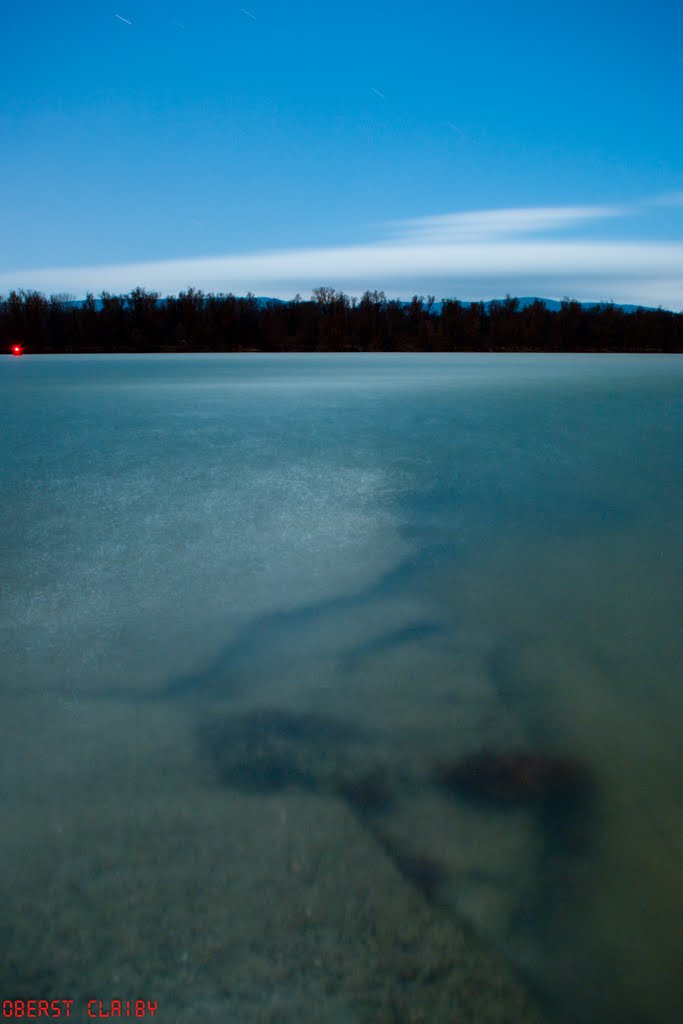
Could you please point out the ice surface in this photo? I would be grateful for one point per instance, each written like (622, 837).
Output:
(447, 554)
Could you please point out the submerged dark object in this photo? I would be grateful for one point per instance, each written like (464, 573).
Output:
(427, 874)
(271, 748)
(367, 793)
(518, 777)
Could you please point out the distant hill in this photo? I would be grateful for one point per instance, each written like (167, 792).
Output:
(523, 301)
(554, 305)
(551, 304)
(261, 301)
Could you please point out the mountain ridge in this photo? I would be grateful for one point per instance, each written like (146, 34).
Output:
(523, 301)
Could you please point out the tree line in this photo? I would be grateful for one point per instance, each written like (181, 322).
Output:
(329, 322)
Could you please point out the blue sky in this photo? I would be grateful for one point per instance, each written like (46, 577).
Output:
(440, 148)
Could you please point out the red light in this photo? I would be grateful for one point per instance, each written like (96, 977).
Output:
(17, 350)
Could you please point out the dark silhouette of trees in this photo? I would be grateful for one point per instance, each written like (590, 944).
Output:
(329, 322)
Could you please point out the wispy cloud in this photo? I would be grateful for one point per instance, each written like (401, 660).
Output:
(481, 254)
(485, 225)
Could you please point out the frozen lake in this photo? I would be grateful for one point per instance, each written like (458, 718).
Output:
(256, 608)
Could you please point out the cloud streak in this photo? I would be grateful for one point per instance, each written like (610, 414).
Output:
(480, 254)
(485, 225)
